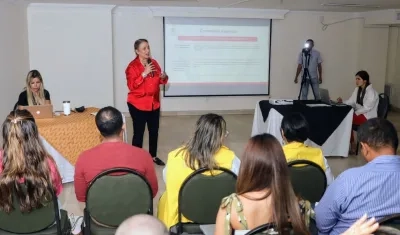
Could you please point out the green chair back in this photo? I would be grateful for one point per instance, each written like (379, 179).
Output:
(308, 180)
(35, 221)
(115, 195)
(200, 195)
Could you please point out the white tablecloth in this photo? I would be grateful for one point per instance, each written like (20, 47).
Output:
(336, 145)
(66, 169)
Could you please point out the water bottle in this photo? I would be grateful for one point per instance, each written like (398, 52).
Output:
(67, 107)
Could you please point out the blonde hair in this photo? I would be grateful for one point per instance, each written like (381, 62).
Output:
(24, 157)
(207, 140)
(34, 99)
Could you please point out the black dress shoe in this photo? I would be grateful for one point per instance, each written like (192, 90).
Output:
(158, 161)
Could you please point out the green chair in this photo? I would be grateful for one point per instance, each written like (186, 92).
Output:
(200, 197)
(113, 196)
(47, 220)
(308, 180)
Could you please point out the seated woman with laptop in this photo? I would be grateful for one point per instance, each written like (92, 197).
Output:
(364, 100)
(34, 93)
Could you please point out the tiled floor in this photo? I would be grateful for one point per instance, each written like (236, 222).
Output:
(174, 130)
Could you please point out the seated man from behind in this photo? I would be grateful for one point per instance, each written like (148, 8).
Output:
(111, 153)
(372, 188)
(143, 225)
(295, 132)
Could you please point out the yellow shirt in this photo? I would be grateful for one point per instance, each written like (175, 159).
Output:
(177, 172)
(299, 151)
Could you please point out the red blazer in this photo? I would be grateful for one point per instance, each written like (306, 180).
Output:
(144, 93)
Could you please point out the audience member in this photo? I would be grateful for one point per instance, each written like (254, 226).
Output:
(142, 225)
(111, 153)
(372, 188)
(264, 192)
(27, 170)
(295, 131)
(204, 149)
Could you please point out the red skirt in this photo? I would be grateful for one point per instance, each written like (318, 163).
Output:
(357, 120)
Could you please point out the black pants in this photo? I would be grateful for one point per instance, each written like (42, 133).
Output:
(140, 118)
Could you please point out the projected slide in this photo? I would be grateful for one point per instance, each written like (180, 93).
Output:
(217, 56)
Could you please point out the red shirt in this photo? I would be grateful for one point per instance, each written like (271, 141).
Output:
(110, 155)
(144, 93)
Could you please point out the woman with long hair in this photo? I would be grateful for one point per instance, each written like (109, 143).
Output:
(364, 101)
(205, 149)
(26, 169)
(264, 192)
(34, 93)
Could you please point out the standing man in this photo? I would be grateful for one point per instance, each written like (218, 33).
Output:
(313, 63)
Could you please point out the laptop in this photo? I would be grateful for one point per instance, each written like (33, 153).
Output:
(325, 98)
(40, 111)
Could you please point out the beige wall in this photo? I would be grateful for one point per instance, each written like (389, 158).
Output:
(14, 60)
(393, 65)
(346, 47)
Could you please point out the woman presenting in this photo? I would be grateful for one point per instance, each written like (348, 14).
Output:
(144, 77)
(364, 101)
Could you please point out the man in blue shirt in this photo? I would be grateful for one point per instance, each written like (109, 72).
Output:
(314, 76)
(372, 188)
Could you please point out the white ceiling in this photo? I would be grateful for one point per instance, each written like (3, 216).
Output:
(304, 5)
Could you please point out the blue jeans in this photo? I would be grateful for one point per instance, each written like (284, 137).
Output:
(314, 82)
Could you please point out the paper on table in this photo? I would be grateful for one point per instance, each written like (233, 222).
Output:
(94, 114)
(281, 101)
(209, 229)
(318, 105)
(241, 232)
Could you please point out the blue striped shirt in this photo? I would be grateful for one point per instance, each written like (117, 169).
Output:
(373, 189)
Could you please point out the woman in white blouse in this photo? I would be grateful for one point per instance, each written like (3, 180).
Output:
(364, 100)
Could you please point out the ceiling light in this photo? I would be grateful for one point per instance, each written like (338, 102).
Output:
(349, 5)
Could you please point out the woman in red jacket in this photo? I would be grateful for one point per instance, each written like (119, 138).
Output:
(144, 77)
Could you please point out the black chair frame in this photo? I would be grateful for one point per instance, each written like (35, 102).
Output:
(306, 162)
(199, 171)
(384, 115)
(261, 228)
(87, 217)
(383, 96)
(56, 215)
(386, 219)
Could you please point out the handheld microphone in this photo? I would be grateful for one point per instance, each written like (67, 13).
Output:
(149, 62)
